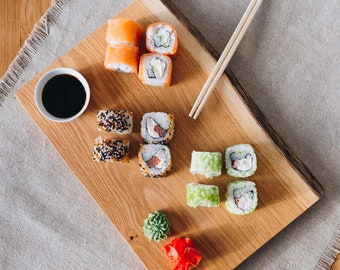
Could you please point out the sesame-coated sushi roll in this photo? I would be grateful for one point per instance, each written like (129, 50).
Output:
(122, 58)
(154, 160)
(208, 164)
(123, 31)
(162, 37)
(240, 160)
(120, 122)
(241, 197)
(108, 150)
(202, 195)
(155, 69)
(157, 127)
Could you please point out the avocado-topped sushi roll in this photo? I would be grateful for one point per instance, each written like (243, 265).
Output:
(202, 195)
(122, 58)
(108, 150)
(162, 37)
(208, 164)
(240, 160)
(123, 31)
(241, 197)
(154, 160)
(120, 122)
(157, 127)
(155, 69)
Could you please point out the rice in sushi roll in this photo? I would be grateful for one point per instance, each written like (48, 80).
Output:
(154, 160)
(122, 58)
(202, 195)
(241, 197)
(155, 69)
(157, 127)
(120, 122)
(123, 31)
(208, 164)
(162, 37)
(240, 160)
(108, 150)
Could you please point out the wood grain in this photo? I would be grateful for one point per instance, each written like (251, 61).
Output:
(336, 264)
(17, 19)
(224, 240)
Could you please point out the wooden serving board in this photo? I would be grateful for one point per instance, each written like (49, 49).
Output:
(285, 186)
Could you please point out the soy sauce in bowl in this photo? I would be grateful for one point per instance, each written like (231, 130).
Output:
(63, 96)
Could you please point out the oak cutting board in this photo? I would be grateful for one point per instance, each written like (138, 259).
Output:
(286, 188)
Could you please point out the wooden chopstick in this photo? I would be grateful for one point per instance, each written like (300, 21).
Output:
(225, 57)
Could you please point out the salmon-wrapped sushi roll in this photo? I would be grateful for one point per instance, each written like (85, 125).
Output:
(155, 69)
(162, 37)
(122, 58)
(123, 30)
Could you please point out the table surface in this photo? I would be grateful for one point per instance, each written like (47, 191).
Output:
(292, 77)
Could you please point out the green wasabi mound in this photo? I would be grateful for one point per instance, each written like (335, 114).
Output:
(208, 164)
(202, 195)
(156, 226)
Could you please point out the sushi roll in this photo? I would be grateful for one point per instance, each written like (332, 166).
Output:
(120, 122)
(162, 37)
(123, 31)
(202, 195)
(157, 127)
(122, 58)
(241, 197)
(108, 150)
(240, 160)
(154, 160)
(155, 69)
(208, 164)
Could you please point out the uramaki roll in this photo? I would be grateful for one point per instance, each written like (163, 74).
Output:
(162, 37)
(123, 31)
(208, 164)
(122, 58)
(240, 160)
(155, 69)
(154, 160)
(241, 197)
(157, 127)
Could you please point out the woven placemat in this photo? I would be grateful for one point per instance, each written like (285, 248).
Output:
(39, 33)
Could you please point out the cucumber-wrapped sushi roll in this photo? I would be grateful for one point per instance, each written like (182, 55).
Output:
(157, 127)
(162, 37)
(155, 69)
(241, 197)
(120, 122)
(123, 31)
(154, 160)
(208, 164)
(240, 160)
(202, 195)
(122, 58)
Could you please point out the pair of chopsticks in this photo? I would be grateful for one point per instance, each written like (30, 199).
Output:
(225, 58)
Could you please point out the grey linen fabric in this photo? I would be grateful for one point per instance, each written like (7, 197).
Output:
(288, 61)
